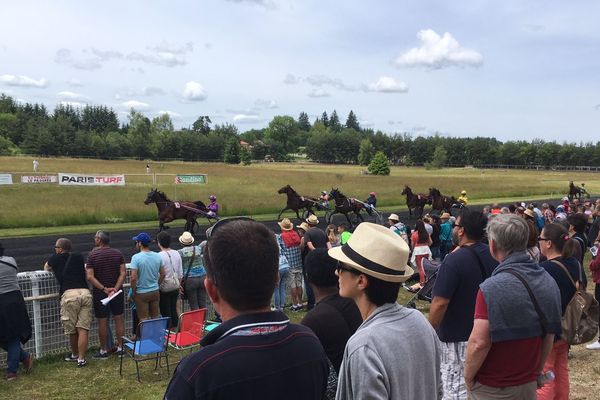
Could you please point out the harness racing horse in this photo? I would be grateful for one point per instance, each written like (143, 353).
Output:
(415, 202)
(440, 202)
(169, 210)
(577, 191)
(345, 205)
(295, 202)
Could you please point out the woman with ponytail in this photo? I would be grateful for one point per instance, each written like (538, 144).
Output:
(556, 245)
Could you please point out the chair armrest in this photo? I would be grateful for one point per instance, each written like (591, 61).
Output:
(126, 339)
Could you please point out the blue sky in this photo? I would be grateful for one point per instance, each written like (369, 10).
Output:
(510, 69)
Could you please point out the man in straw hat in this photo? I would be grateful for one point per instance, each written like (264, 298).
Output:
(398, 227)
(395, 353)
(445, 235)
(289, 242)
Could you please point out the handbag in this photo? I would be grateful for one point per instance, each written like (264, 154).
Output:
(184, 280)
(580, 321)
(171, 283)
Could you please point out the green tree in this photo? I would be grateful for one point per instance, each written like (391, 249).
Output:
(99, 119)
(352, 122)
(334, 122)
(6, 147)
(138, 135)
(303, 122)
(439, 158)
(282, 135)
(245, 156)
(365, 152)
(379, 165)
(202, 125)
(232, 151)
(325, 119)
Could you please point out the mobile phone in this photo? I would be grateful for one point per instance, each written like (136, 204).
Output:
(594, 250)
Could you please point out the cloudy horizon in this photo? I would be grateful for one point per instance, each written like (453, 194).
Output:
(509, 70)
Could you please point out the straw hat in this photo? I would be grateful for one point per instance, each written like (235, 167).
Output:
(286, 224)
(529, 213)
(376, 251)
(445, 216)
(303, 226)
(312, 219)
(394, 217)
(186, 239)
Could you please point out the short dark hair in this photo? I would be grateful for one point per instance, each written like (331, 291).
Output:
(474, 224)
(579, 221)
(164, 239)
(242, 259)
(320, 268)
(381, 292)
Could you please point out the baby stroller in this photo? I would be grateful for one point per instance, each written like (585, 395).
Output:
(431, 268)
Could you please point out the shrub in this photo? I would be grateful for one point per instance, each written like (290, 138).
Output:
(379, 165)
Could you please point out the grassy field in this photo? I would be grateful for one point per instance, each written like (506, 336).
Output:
(249, 190)
(53, 378)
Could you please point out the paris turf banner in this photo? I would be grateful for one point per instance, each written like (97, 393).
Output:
(91, 180)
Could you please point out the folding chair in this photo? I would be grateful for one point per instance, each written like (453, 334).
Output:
(189, 330)
(150, 344)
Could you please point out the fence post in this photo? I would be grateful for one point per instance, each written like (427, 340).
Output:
(37, 315)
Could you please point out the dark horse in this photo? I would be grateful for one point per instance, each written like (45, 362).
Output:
(171, 210)
(577, 191)
(439, 202)
(345, 205)
(415, 202)
(295, 202)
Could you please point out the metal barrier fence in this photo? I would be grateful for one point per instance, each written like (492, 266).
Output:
(40, 290)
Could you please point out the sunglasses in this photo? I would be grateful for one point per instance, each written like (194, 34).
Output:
(541, 239)
(341, 267)
(223, 221)
(456, 226)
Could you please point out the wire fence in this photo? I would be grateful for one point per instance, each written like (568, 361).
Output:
(40, 291)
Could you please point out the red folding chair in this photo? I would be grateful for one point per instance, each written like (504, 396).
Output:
(189, 330)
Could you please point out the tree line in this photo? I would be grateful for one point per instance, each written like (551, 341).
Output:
(95, 131)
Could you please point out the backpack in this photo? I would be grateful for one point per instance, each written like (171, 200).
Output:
(580, 320)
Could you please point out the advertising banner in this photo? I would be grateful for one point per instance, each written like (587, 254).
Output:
(39, 179)
(190, 178)
(6, 179)
(91, 180)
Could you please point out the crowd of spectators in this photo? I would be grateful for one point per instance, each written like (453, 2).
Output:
(504, 280)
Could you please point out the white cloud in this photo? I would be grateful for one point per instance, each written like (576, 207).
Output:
(64, 56)
(74, 104)
(166, 47)
(74, 83)
(597, 107)
(153, 91)
(71, 95)
(137, 105)
(386, 84)
(365, 123)
(291, 79)
(171, 114)
(23, 81)
(324, 80)
(319, 93)
(246, 119)
(194, 91)
(264, 3)
(438, 52)
(264, 103)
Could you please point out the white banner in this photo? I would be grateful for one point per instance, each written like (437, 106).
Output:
(38, 179)
(91, 180)
(6, 179)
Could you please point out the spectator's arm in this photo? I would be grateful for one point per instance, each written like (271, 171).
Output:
(47, 267)
(121, 278)
(438, 308)
(310, 246)
(478, 346)
(93, 281)
(133, 280)
(302, 244)
(547, 343)
(595, 264)
(161, 274)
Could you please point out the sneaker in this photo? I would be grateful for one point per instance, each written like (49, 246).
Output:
(100, 356)
(11, 376)
(81, 363)
(28, 364)
(593, 346)
(70, 358)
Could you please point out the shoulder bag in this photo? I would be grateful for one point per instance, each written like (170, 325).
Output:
(580, 321)
(187, 274)
(172, 282)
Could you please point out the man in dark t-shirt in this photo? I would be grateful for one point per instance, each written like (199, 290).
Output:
(454, 295)
(314, 238)
(106, 273)
(75, 298)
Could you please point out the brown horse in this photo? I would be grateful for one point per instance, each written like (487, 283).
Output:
(345, 205)
(577, 191)
(415, 202)
(440, 202)
(170, 210)
(295, 202)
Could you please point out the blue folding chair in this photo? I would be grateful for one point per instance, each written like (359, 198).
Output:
(150, 344)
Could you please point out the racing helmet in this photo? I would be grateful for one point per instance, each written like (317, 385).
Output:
(212, 197)
(464, 192)
(323, 192)
(372, 194)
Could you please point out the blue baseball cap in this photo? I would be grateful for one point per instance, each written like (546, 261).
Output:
(143, 238)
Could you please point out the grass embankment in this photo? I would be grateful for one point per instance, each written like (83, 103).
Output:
(245, 190)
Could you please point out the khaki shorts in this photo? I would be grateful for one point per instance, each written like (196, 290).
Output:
(295, 278)
(76, 310)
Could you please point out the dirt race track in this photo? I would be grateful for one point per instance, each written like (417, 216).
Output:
(31, 253)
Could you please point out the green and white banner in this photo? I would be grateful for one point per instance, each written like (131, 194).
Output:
(190, 178)
(6, 179)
